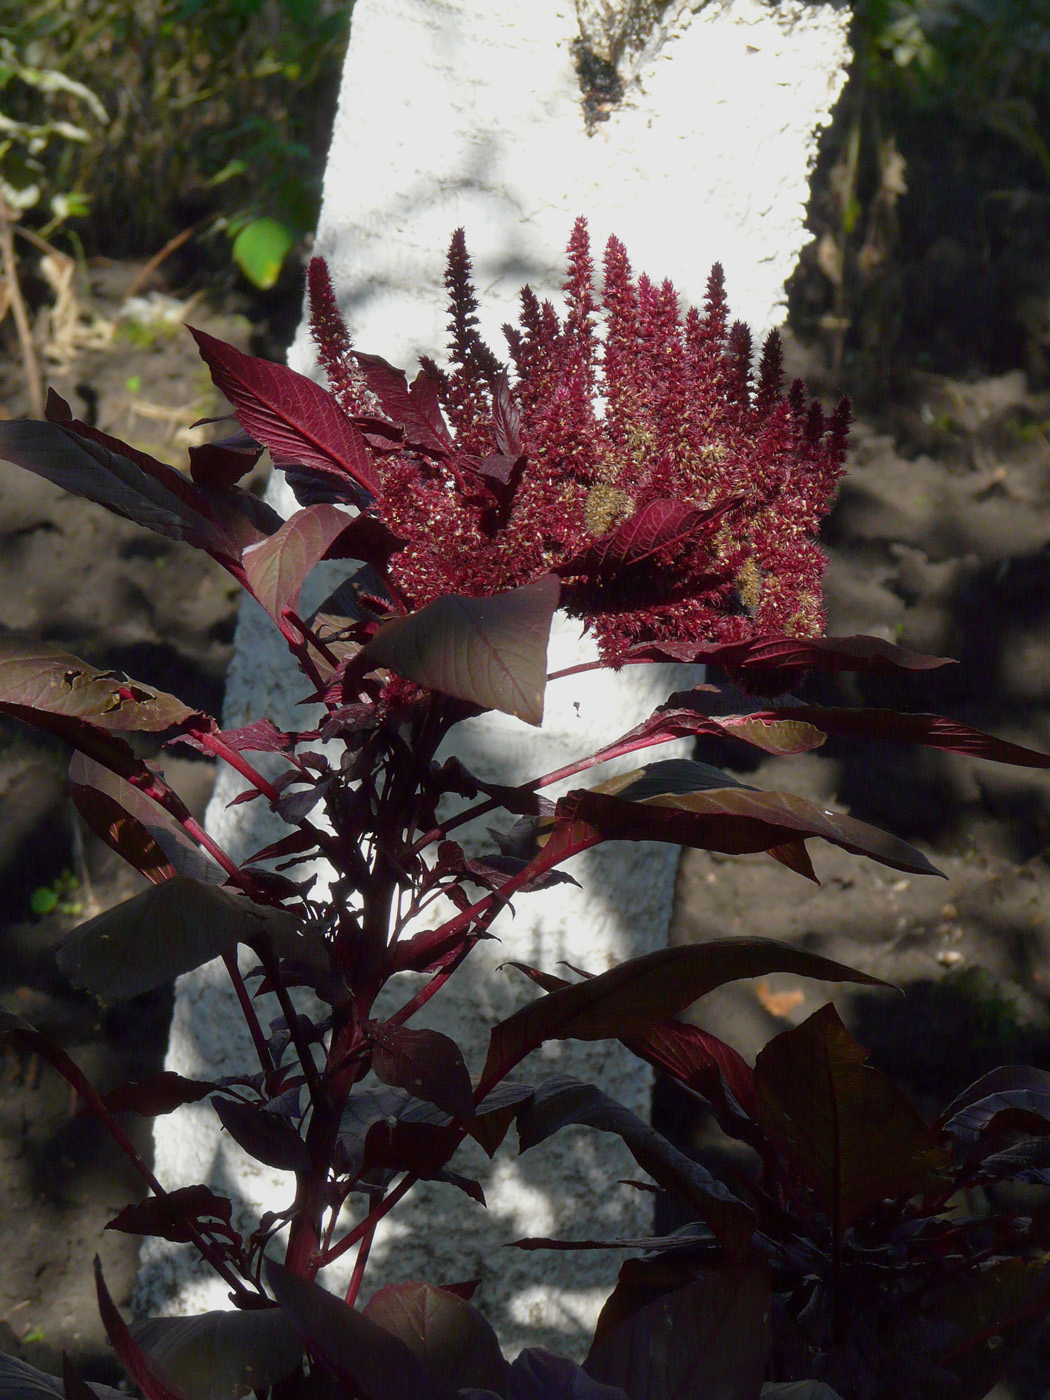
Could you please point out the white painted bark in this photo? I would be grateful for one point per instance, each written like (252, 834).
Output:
(462, 112)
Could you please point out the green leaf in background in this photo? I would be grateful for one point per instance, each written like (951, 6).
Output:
(260, 249)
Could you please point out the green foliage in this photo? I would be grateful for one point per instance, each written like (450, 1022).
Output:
(216, 110)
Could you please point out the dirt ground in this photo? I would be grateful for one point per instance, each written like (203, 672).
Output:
(939, 541)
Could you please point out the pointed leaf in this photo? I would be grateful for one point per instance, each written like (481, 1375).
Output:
(38, 676)
(847, 1130)
(489, 651)
(166, 930)
(268, 1137)
(932, 731)
(708, 1337)
(788, 656)
(1002, 1079)
(562, 1101)
(426, 1063)
(657, 529)
(277, 567)
(411, 411)
(140, 1367)
(158, 1093)
(629, 998)
(222, 1355)
(451, 1338)
(506, 418)
(217, 466)
(734, 818)
(295, 418)
(102, 469)
(351, 1344)
(168, 1217)
(136, 827)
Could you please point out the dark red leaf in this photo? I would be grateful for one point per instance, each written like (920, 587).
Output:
(848, 1132)
(219, 465)
(791, 655)
(1005, 1079)
(261, 736)
(423, 391)
(427, 1064)
(490, 651)
(452, 1339)
(266, 1136)
(709, 1336)
(733, 818)
(169, 1217)
(159, 1093)
(888, 726)
(563, 1101)
(41, 677)
(352, 1345)
(657, 528)
(629, 998)
(698, 1060)
(143, 1371)
(91, 464)
(424, 1149)
(506, 419)
(169, 929)
(540, 1375)
(295, 418)
(411, 412)
(137, 827)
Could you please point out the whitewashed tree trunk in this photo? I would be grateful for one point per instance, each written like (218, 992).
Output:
(468, 112)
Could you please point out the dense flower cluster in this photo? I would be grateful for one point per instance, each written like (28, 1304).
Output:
(634, 456)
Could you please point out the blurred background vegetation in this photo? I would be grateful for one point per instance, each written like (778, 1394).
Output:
(124, 123)
(131, 127)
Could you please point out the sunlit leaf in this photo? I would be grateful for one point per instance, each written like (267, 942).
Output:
(295, 418)
(260, 249)
(490, 651)
(222, 1355)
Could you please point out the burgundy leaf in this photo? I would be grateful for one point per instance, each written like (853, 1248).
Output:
(39, 676)
(540, 1375)
(295, 418)
(792, 655)
(499, 467)
(506, 419)
(489, 651)
(169, 1217)
(410, 411)
(626, 1000)
(268, 1137)
(700, 1061)
(451, 1338)
(261, 736)
(658, 528)
(423, 391)
(709, 1336)
(219, 465)
(136, 827)
(932, 731)
(848, 1132)
(277, 567)
(352, 1345)
(401, 1145)
(89, 463)
(159, 1093)
(563, 1101)
(427, 1064)
(732, 818)
(140, 1367)
(1004, 1079)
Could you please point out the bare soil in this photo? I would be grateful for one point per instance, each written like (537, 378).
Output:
(939, 541)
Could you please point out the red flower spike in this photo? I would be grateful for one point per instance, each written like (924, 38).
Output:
(628, 426)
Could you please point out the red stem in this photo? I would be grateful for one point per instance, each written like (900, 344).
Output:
(371, 1220)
